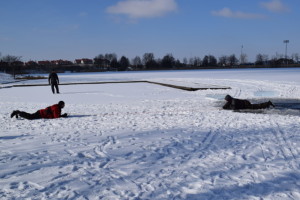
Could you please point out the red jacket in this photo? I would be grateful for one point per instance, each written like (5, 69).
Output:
(50, 112)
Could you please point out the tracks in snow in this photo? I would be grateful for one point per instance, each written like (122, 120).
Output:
(287, 150)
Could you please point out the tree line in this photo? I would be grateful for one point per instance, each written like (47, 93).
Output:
(110, 62)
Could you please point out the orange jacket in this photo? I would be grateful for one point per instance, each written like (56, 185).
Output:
(50, 112)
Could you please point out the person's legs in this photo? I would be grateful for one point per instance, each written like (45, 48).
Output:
(52, 88)
(56, 86)
(262, 105)
(26, 115)
(247, 104)
(241, 104)
(36, 115)
(14, 113)
(257, 106)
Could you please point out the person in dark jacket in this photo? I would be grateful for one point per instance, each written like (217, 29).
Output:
(53, 81)
(50, 112)
(237, 104)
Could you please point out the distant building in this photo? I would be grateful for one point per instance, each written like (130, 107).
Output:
(44, 62)
(3, 64)
(31, 63)
(61, 62)
(84, 61)
(17, 63)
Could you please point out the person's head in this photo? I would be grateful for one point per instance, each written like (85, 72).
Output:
(61, 104)
(228, 98)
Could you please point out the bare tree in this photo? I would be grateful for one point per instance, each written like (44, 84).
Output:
(232, 60)
(136, 62)
(295, 57)
(191, 61)
(185, 61)
(111, 57)
(148, 57)
(10, 58)
(114, 64)
(168, 61)
(261, 59)
(149, 61)
(209, 61)
(124, 63)
(243, 58)
(223, 61)
(197, 61)
(100, 56)
(11, 62)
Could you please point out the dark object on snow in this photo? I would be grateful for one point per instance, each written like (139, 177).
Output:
(50, 112)
(53, 81)
(237, 104)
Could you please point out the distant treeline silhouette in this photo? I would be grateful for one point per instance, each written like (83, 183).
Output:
(110, 62)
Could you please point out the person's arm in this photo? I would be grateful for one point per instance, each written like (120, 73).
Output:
(57, 79)
(64, 115)
(56, 111)
(227, 105)
(49, 78)
(57, 114)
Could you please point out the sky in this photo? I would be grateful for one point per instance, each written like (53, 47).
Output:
(73, 29)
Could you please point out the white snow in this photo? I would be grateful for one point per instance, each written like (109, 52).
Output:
(146, 141)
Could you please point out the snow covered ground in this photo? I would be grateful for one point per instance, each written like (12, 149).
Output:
(146, 141)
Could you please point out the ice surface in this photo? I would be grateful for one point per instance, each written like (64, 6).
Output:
(145, 141)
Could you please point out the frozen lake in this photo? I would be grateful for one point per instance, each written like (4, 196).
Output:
(144, 141)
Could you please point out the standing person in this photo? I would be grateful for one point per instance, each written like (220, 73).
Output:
(237, 104)
(53, 81)
(50, 112)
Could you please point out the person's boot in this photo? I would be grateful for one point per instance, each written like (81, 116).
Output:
(271, 104)
(14, 113)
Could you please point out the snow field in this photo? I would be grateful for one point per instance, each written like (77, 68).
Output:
(143, 141)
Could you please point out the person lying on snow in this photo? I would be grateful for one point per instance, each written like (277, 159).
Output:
(237, 104)
(50, 112)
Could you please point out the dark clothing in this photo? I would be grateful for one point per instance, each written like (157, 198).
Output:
(29, 116)
(237, 104)
(56, 87)
(53, 78)
(54, 81)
